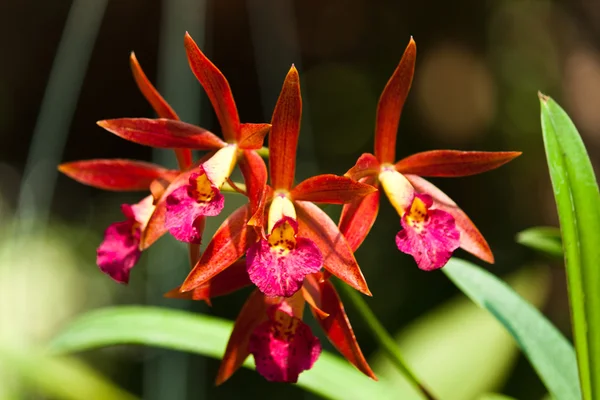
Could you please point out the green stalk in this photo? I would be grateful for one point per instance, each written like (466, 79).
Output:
(383, 338)
(263, 152)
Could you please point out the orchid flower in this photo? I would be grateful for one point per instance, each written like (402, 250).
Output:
(255, 333)
(432, 224)
(300, 237)
(198, 194)
(121, 248)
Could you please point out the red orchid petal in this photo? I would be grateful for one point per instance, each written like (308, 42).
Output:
(331, 189)
(216, 87)
(315, 224)
(116, 174)
(255, 176)
(337, 327)
(366, 165)
(158, 187)
(160, 106)
(156, 224)
(311, 291)
(158, 103)
(230, 280)
(454, 163)
(252, 136)
(162, 133)
(390, 105)
(253, 313)
(471, 239)
(285, 128)
(227, 245)
(358, 218)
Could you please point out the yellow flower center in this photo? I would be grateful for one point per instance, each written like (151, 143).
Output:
(417, 216)
(204, 191)
(284, 325)
(283, 239)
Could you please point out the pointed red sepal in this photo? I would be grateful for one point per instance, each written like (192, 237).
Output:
(252, 136)
(156, 224)
(227, 245)
(391, 103)
(471, 239)
(216, 87)
(311, 291)
(158, 188)
(160, 106)
(366, 165)
(337, 326)
(254, 171)
(454, 163)
(163, 133)
(331, 189)
(315, 224)
(358, 218)
(253, 313)
(230, 280)
(158, 103)
(116, 174)
(285, 128)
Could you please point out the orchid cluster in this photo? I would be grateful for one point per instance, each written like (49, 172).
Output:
(281, 242)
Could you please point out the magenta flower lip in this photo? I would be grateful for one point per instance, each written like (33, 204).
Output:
(278, 265)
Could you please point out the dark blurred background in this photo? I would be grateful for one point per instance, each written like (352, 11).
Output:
(479, 67)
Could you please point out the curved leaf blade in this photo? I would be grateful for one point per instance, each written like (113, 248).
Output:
(545, 239)
(578, 203)
(60, 377)
(331, 377)
(550, 354)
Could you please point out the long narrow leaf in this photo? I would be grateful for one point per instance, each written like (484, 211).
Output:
(331, 377)
(578, 203)
(550, 354)
(60, 377)
(545, 239)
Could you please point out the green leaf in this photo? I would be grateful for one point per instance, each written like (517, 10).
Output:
(60, 377)
(550, 354)
(331, 377)
(459, 350)
(578, 203)
(545, 239)
(494, 396)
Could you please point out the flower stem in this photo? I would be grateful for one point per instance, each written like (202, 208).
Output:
(263, 152)
(383, 338)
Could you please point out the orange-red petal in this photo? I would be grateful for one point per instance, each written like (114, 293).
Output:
(337, 326)
(116, 174)
(253, 313)
(162, 133)
(331, 189)
(315, 224)
(391, 103)
(231, 279)
(254, 171)
(252, 136)
(227, 245)
(471, 239)
(160, 106)
(311, 291)
(285, 128)
(366, 165)
(454, 163)
(358, 217)
(158, 103)
(216, 87)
